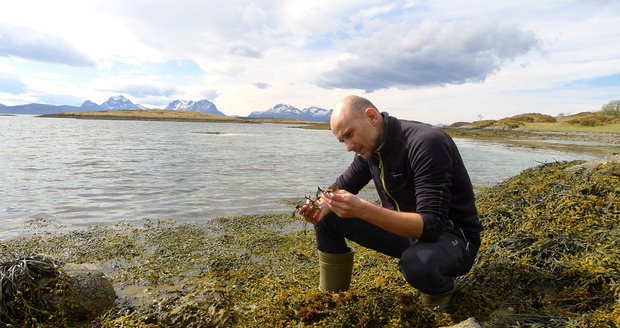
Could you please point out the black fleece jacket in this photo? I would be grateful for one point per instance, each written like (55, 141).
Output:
(418, 168)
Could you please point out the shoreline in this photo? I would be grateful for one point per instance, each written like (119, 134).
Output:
(169, 116)
(539, 137)
(595, 143)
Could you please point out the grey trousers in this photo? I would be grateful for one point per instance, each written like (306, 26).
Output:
(427, 266)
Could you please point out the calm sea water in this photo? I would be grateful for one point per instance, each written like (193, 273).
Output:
(83, 172)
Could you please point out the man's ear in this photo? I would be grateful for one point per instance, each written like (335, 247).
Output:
(372, 115)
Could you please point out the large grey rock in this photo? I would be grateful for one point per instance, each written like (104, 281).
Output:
(89, 294)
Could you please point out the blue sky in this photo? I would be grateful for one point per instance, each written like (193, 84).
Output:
(432, 61)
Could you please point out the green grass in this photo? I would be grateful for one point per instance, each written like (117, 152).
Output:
(566, 127)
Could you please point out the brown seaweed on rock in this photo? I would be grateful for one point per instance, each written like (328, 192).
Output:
(25, 284)
(550, 255)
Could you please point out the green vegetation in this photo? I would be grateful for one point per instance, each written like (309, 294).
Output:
(549, 258)
(583, 122)
(535, 130)
(575, 128)
(612, 108)
(317, 126)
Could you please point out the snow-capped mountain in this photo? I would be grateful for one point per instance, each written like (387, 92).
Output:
(290, 112)
(201, 106)
(321, 114)
(120, 102)
(179, 105)
(278, 111)
(89, 105)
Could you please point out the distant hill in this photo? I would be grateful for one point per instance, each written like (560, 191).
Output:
(520, 121)
(315, 114)
(279, 111)
(37, 109)
(113, 103)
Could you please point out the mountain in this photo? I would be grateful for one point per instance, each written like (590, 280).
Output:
(315, 114)
(287, 111)
(89, 105)
(37, 109)
(200, 106)
(321, 114)
(120, 102)
(178, 105)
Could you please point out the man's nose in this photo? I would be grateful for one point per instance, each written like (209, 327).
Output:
(350, 146)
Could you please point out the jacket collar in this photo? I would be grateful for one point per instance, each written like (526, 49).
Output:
(390, 131)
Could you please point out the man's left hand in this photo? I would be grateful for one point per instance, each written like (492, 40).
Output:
(344, 203)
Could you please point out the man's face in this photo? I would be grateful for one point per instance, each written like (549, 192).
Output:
(356, 132)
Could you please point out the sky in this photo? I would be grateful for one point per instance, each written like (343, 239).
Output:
(431, 61)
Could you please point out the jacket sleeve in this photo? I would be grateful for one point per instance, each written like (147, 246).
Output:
(431, 162)
(355, 177)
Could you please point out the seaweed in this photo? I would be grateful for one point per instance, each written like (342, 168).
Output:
(25, 285)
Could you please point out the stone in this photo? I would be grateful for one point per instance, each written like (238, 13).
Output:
(89, 293)
(469, 323)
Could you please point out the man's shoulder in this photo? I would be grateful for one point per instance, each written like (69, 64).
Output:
(418, 129)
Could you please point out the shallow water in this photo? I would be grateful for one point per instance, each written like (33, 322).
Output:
(83, 172)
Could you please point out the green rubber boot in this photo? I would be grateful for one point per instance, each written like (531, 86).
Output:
(336, 270)
(440, 302)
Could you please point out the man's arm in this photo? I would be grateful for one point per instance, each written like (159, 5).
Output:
(347, 205)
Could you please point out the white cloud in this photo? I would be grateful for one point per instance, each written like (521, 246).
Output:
(428, 55)
(24, 42)
(428, 60)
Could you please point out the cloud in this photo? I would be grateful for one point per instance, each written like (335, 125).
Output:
(245, 50)
(428, 55)
(261, 85)
(210, 94)
(10, 83)
(24, 42)
(144, 90)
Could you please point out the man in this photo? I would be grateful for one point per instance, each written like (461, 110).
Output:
(428, 217)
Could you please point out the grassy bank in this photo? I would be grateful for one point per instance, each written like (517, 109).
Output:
(148, 115)
(572, 128)
(549, 258)
(570, 140)
(170, 115)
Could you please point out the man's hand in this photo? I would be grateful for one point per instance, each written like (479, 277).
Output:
(314, 213)
(344, 203)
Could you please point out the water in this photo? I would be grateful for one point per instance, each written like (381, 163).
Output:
(83, 172)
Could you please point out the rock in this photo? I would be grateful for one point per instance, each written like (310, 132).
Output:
(590, 165)
(89, 294)
(469, 323)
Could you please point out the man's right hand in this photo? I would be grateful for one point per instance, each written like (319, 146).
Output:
(314, 214)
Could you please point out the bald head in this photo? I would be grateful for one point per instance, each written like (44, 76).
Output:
(351, 107)
(355, 105)
(358, 123)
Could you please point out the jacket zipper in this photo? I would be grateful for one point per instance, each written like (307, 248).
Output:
(383, 182)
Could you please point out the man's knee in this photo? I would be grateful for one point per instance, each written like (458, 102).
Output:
(329, 236)
(417, 268)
